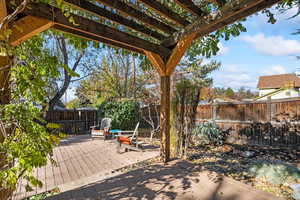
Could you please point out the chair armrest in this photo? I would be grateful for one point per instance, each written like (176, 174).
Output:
(125, 135)
(93, 128)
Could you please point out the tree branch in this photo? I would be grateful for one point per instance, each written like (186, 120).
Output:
(78, 60)
(9, 18)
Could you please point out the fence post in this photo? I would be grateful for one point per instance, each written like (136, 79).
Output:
(214, 111)
(269, 110)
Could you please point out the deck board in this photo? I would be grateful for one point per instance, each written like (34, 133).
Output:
(79, 158)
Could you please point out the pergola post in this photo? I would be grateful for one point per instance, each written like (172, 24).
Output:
(165, 68)
(165, 117)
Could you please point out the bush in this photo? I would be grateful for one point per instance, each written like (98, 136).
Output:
(124, 114)
(275, 172)
(209, 133)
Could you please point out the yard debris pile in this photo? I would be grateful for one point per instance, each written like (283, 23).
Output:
(234, 161)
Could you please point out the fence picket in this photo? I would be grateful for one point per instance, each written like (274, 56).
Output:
(73, 121)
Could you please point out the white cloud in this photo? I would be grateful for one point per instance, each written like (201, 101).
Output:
(273, 45)
(222, 49)
(235, 76)
(278, 69)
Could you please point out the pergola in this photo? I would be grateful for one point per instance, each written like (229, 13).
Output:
(160, 33)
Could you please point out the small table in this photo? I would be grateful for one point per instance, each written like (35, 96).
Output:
(115, 132)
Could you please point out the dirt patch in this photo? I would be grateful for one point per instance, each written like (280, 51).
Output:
(234, 161)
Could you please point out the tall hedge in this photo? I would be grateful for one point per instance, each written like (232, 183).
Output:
(124, 114)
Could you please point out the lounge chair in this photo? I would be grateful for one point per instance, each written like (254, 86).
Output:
(101, 131)
(128, 140)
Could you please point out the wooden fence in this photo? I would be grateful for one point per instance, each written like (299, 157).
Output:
(275, 122)
(73, 121)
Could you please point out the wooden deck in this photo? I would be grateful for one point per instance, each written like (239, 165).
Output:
(180, 180)
(81, 161)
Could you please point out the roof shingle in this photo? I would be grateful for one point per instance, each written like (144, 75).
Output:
(278, 81)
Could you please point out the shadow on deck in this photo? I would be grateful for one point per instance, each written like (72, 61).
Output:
(177, 180)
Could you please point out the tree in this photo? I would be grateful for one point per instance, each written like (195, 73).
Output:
(229, 93)
(194, 76)
(76, 58)
(242, 93)
(117, 77)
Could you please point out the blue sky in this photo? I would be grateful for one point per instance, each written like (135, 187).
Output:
(265, 49)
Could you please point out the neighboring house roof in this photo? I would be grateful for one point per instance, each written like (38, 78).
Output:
(278, 81)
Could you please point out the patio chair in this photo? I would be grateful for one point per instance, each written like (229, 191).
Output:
(128, 140)
(102, 130)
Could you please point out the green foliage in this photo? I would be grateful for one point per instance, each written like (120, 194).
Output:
(27, 142)
(229, 92)
(208, 46)
(75, 103)
(124, 114)
(209, 133)
(117, 76)
(275, 172)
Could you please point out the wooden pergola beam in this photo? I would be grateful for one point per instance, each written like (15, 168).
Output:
(94, 28)
(191, 7)
(220, 3)
(138, 15)
(166, 12)
(226, 15)
(27, 27)
(94, 38)
(104, 13)
(178, 52)
(157, 62)
(3, 10)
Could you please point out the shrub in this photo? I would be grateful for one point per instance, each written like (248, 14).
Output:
(124, 114)
(209, 133)
(275, 172)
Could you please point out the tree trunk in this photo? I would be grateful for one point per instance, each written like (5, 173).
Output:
(67, 78)
(54, 101)
(195, 106)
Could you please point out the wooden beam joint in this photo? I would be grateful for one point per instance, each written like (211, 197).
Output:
(26, 28)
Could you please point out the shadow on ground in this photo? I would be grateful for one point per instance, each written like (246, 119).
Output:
(75, 140)
(177, 180)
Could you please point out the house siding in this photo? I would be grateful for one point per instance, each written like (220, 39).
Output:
(287, 93)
